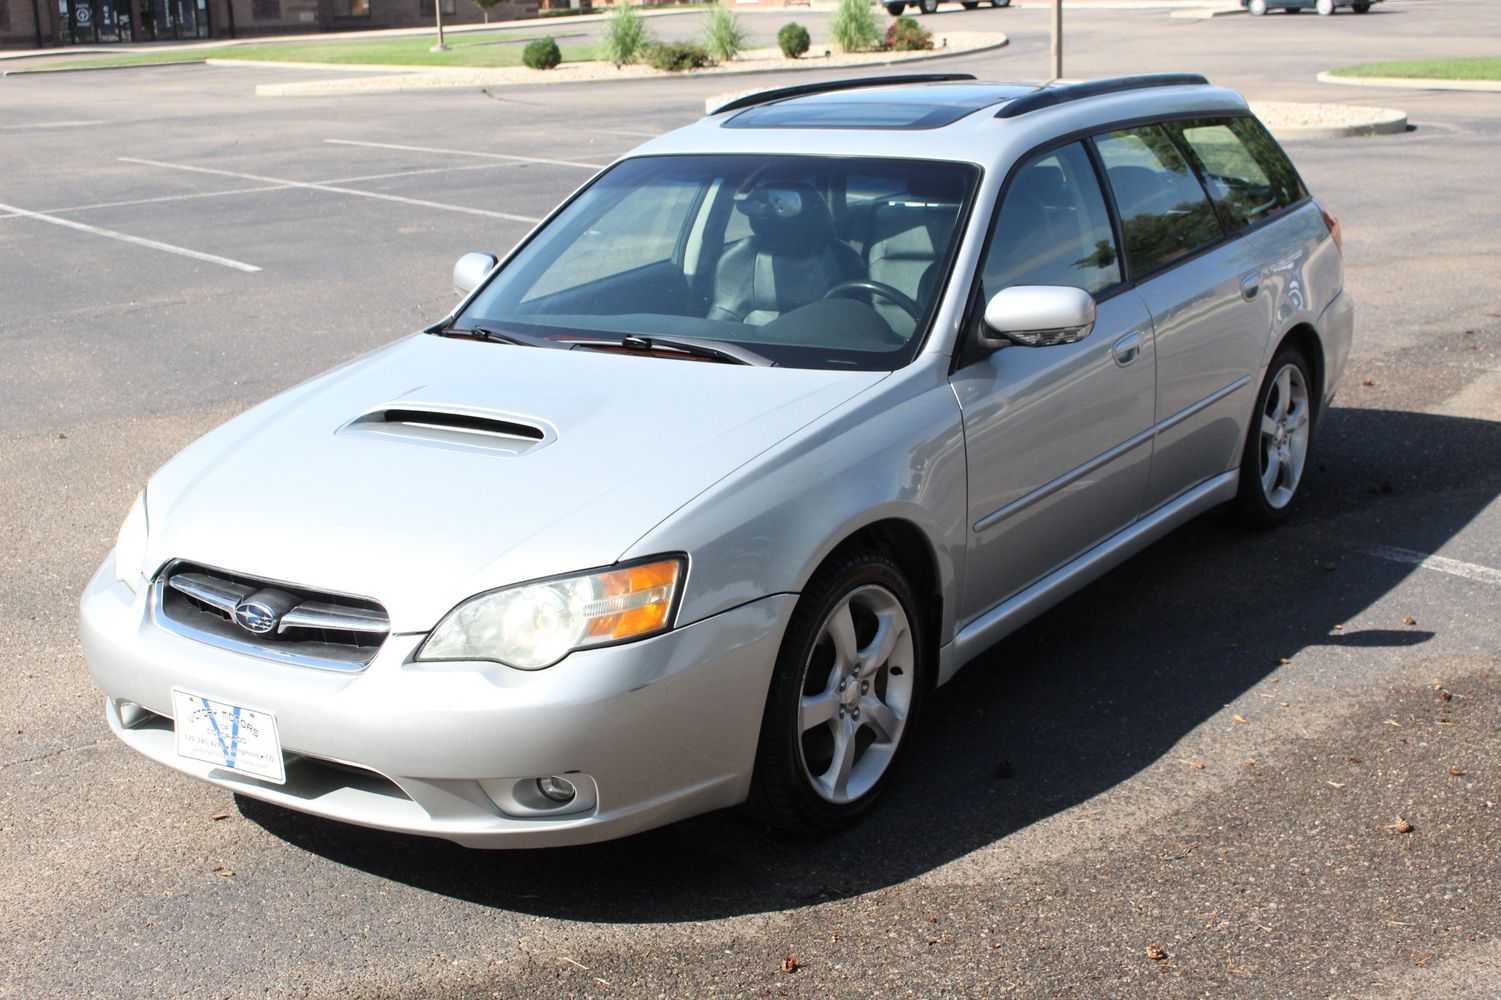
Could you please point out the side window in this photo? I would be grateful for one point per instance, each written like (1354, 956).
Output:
(1164, 211)
(1247, 175)
(642, 228)
(1054, 228)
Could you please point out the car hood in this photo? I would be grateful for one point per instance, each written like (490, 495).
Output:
(437, 468)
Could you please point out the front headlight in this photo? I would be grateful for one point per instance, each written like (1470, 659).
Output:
(534, 625)
(130, 545)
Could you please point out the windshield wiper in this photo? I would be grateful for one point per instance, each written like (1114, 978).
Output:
(716, 350)
(498, 336)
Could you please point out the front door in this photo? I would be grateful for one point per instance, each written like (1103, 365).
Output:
(1058, 439)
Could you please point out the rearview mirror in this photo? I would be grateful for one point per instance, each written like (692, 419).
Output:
(1037, 316)
(471, 270)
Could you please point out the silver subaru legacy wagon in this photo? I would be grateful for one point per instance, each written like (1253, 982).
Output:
(761, 436)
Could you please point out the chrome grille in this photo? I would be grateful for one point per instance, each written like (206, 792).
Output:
(268, 618)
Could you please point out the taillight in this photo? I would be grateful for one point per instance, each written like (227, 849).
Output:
(1333, 224)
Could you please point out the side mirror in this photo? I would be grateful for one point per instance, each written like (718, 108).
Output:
(1037, 316)
(471, 270)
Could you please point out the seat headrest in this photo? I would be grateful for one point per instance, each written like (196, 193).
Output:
(787, 217)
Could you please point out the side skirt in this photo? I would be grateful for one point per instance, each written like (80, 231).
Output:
(1006, 617)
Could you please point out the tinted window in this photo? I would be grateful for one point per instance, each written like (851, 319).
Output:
(1053, 228)
(1164, 211)
(1247, 175)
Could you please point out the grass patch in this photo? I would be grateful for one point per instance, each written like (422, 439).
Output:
(481, 49)
(1429, 69)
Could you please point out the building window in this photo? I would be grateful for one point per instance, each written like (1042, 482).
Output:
(352, 8)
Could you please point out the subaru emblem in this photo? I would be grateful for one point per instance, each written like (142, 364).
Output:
(255, 616)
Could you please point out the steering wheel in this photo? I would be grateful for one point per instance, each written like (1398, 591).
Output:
(882, 289)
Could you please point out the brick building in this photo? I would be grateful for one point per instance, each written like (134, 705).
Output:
(29, 23)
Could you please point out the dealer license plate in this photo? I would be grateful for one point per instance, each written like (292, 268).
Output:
(228, 736)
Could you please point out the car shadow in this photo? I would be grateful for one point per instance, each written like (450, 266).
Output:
(1048, 718)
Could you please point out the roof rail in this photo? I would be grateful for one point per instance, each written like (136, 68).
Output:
(1048, 97)
(802, 89)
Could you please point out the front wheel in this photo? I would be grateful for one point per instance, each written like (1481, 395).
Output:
(1256, 7)
(849, 680)
(1324, 7)
(927, 6)
(895, 9)
(1276, 449)
(969, 4)
(1360, 8)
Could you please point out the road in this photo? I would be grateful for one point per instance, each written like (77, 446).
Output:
(1273, 757)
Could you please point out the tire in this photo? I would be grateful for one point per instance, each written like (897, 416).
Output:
(836, 723)
(1360, 8)
(1324, 7)
(998, 4)
(1256, 7)
(969, 4)
(1275, 458)
(927, 6)
(895, 9)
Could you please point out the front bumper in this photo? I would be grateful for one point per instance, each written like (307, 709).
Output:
(662, 729)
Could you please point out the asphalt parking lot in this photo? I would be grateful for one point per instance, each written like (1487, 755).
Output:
(1209, 752)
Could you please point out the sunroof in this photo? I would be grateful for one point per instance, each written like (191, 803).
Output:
(884, 108)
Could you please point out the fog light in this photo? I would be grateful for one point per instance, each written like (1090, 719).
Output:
(557, 789)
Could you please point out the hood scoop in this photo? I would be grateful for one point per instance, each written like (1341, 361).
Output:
(452, 428)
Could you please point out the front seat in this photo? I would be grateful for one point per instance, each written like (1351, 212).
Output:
(791, 258)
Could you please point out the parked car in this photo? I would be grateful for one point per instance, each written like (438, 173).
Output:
(1323, 7)
(931, 6)
(763, 434)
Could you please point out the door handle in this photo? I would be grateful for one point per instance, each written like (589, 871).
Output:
(1127, 349)
(1249, 286)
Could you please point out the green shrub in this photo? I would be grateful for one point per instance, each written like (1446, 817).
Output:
(626, 35)
(541, 54)
(724, 35)
(854, 26)
(793, 39)
(675, 57)
(906, 35)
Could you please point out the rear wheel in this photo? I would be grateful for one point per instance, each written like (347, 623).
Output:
(1000, 3)
(849, 680)
(1324, 7)
(969, 4)
(1256, 7)
(895, 9)
(1360, 8)
(927, 6)
(1276, 449)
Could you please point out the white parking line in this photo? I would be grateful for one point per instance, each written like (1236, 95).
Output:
(21, 128)
(414, 173)
(1440, 564)
(167, 197)
(467, 152)
(335, 189)
(127, 238)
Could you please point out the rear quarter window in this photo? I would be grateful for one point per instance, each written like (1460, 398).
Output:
(1248, 177)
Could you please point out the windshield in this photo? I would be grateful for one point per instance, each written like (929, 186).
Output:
(810, 262)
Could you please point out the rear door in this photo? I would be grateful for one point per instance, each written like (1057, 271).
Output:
(1210, 319)
(1058, 438)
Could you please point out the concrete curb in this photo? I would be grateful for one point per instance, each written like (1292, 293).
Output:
(44, 70)
(1376, 121)
(1411, 83)
(1205, 13)
(423, 79)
